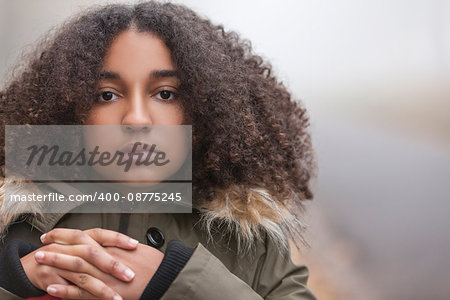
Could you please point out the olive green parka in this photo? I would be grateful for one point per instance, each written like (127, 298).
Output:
(241, 246)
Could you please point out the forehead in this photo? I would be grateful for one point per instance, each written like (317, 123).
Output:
(133, 51)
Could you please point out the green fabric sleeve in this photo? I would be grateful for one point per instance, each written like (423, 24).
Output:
(206, 277)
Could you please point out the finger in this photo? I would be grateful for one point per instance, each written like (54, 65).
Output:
(112, 238)
(69, 292)
(66, 236)
(66, 262)
(48, 276)
(86, 287)
(98, 257)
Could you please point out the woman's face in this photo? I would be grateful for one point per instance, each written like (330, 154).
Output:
(138, 90)
(138, 85)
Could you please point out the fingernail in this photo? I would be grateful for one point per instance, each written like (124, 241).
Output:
(43, 237)
(129, 274)
(133, 242)
(39, 255)
(117, 297)
(51, 290)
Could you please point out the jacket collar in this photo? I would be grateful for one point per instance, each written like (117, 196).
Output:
(250, 213)
(44, 222)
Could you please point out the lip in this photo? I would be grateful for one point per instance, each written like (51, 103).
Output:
(127, 148)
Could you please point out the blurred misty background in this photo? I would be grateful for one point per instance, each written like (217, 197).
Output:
(375, 77)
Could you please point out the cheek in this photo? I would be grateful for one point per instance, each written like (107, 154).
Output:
(103, 115)
(167, 115)
(178, 117)
(179, 114)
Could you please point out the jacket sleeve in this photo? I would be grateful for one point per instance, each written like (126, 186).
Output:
(205, 277)
(175, 258)
(14, 283)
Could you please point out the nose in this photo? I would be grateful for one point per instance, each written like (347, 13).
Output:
(137, 116)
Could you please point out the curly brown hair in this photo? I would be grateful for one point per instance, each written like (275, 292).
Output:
(246, 128)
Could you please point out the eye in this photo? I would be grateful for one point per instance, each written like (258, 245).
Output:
(107, 96)
(165, 95)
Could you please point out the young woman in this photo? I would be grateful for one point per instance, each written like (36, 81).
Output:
(251, 160)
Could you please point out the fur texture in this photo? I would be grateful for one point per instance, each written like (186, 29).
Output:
(251, 213)
(11, 211)
(248, 213)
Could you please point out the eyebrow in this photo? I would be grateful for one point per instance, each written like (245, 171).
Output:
(109, 75)
(154, 74)
(164, 73)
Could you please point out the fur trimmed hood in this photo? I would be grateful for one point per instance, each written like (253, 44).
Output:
(248, 213)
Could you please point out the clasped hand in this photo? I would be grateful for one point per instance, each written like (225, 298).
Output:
(91, 264)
